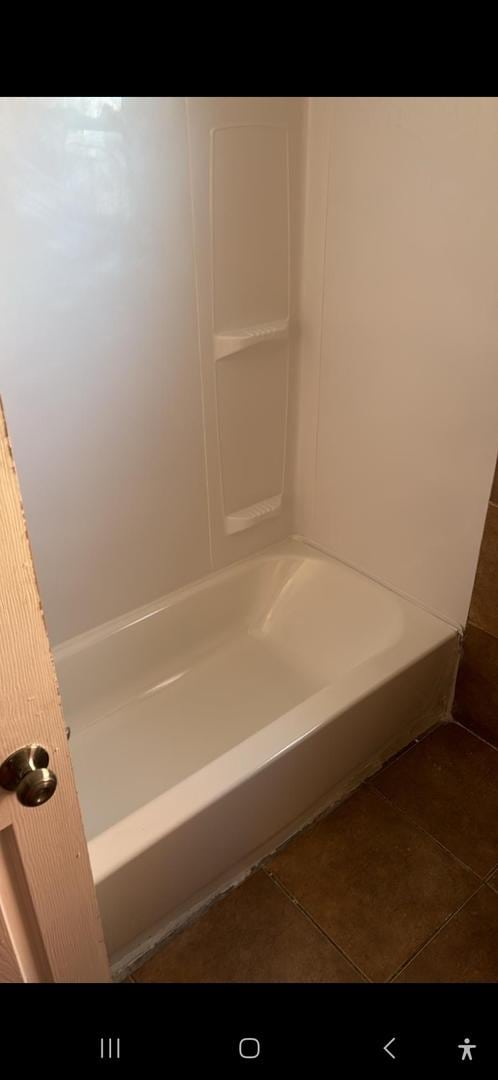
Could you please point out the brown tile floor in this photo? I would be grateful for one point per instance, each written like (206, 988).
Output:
(398, 883)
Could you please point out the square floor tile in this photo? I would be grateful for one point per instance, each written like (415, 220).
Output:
(466, 950)
(448, 783)
(254, 934)
(373, 881)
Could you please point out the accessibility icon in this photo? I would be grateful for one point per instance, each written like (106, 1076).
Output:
(467, 1047)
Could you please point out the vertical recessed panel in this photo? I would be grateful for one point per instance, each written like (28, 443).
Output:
(250, 222)
(251, 414)
(246, 168)
(250, 262)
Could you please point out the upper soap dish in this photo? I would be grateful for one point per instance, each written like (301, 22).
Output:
(234, 341)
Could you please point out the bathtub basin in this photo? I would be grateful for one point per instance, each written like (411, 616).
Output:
(210, 725)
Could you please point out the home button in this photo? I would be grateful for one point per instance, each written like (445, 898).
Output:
(249, 1048)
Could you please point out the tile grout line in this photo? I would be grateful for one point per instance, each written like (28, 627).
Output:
(436, 933)
(476, 735)
(476, 626)
(491, 873)
(289, 896)
(404, 813)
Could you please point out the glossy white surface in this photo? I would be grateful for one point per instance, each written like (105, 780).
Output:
(249, 193)
(100, 366)
(246, 164)
(398, 374)
(202, 694)
(119, 272)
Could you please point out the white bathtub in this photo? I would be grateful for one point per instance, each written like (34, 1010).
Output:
(210, 725)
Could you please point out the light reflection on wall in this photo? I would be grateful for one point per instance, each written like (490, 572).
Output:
(92, 106)
(67, 195)
(95, 169)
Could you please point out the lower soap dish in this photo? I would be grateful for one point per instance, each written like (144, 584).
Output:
(253, 515)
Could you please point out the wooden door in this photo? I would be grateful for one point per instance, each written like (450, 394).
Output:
(50, 928)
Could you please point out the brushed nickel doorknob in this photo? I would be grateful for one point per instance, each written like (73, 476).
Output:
(26, 773)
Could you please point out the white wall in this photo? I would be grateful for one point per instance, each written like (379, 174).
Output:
(100, 370)
(397, 419)
(99, 367)
(395, 387)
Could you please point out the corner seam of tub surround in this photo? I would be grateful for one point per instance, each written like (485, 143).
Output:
(195, 267)
(323, 272)
(452, 688)
(458, 628)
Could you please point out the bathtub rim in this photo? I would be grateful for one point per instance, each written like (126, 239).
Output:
(290, 546)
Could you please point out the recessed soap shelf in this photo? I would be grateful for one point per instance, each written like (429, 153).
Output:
(229, 342)
(252, 515)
